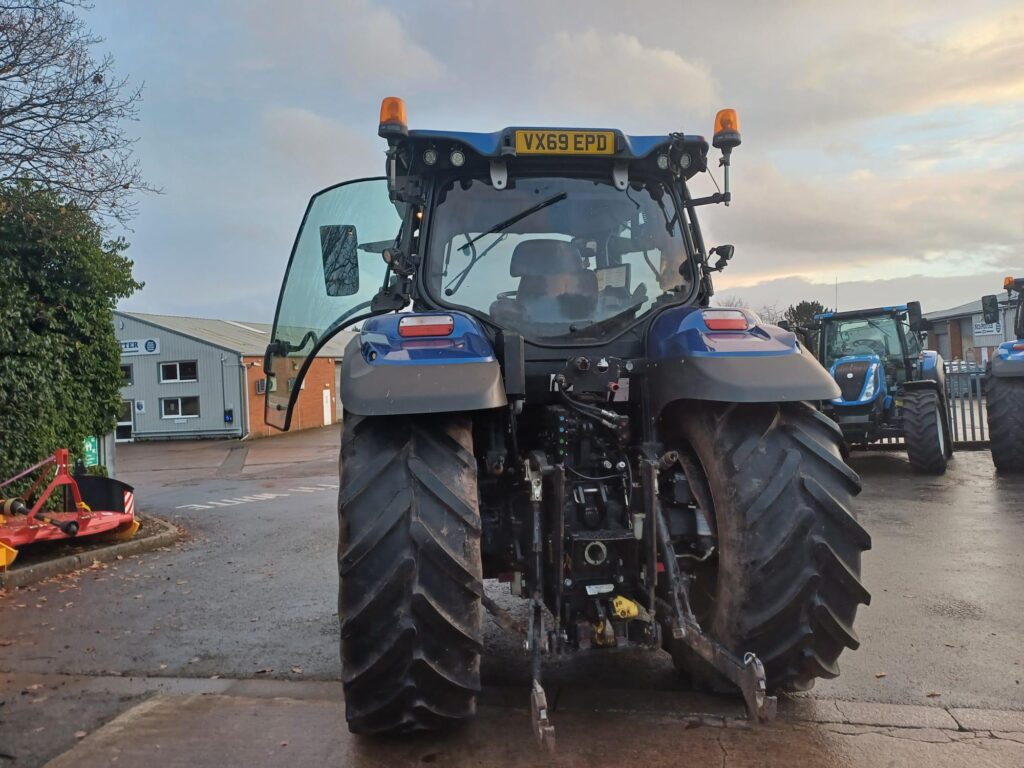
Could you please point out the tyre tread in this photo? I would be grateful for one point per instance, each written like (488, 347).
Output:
(411, 574)
(1006, 422)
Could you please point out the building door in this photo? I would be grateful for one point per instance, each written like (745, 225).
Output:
(125, 422)
(327, 406)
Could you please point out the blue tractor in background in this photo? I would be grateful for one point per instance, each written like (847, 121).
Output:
(1004, 381)
(540, 393)
(889, 386)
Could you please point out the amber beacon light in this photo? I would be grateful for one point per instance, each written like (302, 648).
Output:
(727, 129)
(392, 117)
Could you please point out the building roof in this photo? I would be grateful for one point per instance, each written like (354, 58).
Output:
(245, 338)
(964, 310)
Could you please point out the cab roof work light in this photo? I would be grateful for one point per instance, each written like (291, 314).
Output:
(392, 118)
(1008, 283)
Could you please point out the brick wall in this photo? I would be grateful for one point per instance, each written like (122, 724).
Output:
(309, 410)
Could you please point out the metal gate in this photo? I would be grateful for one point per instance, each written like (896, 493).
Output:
(965, 395)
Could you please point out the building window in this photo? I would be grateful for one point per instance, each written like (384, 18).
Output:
(185, 370)
(127, 376)
(179, 408)
(261, 385)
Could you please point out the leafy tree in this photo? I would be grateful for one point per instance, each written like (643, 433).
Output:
(62, 111)
(803, 313)
(59, 359)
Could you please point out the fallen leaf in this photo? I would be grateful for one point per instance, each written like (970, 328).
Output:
(933, 694)
(297, 670)
(163, 666)
(880, 674)
(264, 671)
(81, 734)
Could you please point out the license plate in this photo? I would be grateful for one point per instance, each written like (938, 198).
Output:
(565, 143)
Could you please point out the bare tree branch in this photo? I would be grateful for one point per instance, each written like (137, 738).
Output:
(62, 112)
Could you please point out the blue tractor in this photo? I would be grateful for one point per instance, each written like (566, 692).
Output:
(1004, 381)
(889, 385)
(539, 393)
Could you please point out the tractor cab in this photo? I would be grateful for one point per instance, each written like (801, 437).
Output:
(870, 353)
(564, 238)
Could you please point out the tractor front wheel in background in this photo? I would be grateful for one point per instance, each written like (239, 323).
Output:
(411, 574)
(785, 580)
(924, 431)
(1006, 422)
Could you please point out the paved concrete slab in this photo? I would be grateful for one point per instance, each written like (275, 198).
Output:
(993, 720)
(222, 731)
(900, 716)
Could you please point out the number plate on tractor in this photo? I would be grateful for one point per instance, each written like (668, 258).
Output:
(565, 143)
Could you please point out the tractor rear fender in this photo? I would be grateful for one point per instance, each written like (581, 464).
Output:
(760, 363)
(386, 374)
(1008, 360)
(930, 367)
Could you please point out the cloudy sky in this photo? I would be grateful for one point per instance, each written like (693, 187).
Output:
(882, 148)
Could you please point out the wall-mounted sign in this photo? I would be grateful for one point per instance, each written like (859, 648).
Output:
(981, 328)
(140, 406)
(91, 451)
(140, 346)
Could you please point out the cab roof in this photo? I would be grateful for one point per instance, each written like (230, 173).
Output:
(853, 313)
(502, 143)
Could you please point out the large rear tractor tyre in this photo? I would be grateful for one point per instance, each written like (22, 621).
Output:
(1006, 422)
(411, 576)
(785, 581)
(924, 431)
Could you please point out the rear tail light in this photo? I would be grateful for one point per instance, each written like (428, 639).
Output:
(1018, 347)
(725, 320)
(426, 325)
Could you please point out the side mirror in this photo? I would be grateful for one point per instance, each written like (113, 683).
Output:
(784, 325)
(338, 244)
(914, 316)
(990, 309)
(724, 253)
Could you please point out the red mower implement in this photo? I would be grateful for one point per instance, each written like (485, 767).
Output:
(92, 506)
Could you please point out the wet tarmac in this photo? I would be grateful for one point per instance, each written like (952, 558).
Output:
(251, 595)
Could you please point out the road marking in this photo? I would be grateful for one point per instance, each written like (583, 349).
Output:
(251, 498)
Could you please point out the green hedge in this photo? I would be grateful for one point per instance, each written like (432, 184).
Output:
(60, 280)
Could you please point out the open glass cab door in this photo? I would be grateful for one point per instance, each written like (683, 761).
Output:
(333, 274)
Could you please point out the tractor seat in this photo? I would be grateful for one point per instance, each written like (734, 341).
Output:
(554, 283)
